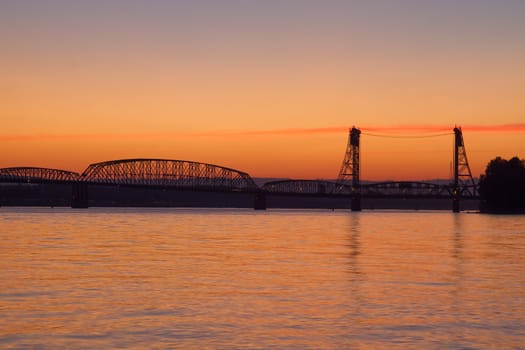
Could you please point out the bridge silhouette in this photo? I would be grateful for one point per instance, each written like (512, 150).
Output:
(193, 177)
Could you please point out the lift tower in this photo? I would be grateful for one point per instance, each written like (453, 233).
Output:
(349, 173)
(464, 185)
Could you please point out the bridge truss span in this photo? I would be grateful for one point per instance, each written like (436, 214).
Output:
(305, 187)
(405, 189)
(168, 173)
(36, 175)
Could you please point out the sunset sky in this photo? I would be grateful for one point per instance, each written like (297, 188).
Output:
(267, 87)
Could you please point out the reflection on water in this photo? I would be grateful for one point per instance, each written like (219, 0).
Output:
(176, 278)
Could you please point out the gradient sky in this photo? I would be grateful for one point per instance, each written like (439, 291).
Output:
(267, 87)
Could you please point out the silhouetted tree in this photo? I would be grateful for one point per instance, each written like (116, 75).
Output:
(502, 188)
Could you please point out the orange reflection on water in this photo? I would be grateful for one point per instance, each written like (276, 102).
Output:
(146, 278)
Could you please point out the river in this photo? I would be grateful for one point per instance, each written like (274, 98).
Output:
(243, 279)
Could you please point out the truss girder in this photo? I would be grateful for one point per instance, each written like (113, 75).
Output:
(169, 173)
(36, 175)
(405, 189)
(305, 187)
(381, 189)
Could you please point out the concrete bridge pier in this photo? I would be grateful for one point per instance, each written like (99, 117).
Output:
(356, 203)
(79, 198)
(455, 203)
(259, 202)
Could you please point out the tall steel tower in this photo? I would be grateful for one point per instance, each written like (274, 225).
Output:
(464, 185)
(349, 173)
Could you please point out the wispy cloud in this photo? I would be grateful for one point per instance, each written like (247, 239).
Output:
(495, 128)
(166, 135)
(396, 129)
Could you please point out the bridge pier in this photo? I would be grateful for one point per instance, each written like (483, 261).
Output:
(79, 198)
(259, 202)
(455, 205)
(455, 202)
(356, 203)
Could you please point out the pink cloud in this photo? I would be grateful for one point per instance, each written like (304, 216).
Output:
(494, 128)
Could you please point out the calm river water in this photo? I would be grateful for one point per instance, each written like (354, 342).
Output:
(231, 279)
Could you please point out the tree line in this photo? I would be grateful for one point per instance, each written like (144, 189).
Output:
(502, 187)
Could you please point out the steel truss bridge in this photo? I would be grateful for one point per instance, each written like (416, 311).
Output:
(37, 175)
(188, 175)
(390, 189)
(168, 173)
(401, 189)
(137, 173)
(140, 172)
(349, 184)
(463, 185)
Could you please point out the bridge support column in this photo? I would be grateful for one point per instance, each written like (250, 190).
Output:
(455, 205)
(356, 202)
(259, 202)
(79, 198)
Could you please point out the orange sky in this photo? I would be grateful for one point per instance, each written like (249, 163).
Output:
(269, 88)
